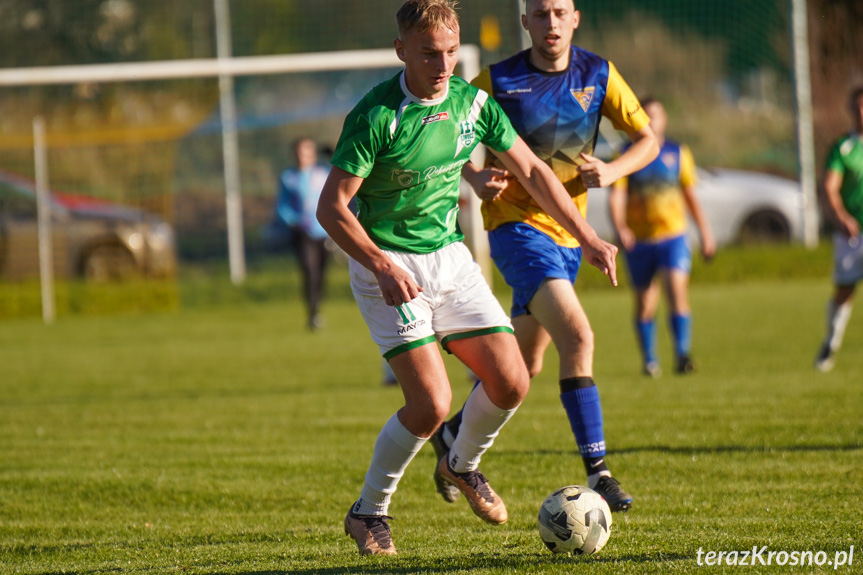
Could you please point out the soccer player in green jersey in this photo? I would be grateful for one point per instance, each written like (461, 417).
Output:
(843, 194)
(400, 154)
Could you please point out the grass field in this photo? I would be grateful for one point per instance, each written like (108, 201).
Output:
(225, 439)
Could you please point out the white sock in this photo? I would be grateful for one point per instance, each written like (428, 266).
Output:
(837, 321)
(395, 447)
(480, 424)
(593, 479)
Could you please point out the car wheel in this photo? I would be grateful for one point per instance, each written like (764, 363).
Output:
(765, 227)
(109, 263)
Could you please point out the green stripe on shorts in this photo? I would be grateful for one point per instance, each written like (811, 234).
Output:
(474, 333)
(408, 346)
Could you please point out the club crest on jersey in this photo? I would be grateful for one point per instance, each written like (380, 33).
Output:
(467, 133)
(584, 97)
(436, 118)
(669, 159)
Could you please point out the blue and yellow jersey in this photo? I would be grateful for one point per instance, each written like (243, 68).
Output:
(655, 207)
(557, 115)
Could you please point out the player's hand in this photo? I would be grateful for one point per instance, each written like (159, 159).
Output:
(708, 247)
(601, 254)
(490, 182)
(849, 225)
(627, 238)
(595, 173)
(397, 286)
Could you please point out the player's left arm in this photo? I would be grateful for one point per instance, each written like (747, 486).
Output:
(541, 183)
(687, 184)
(597, 174)
(625, 112)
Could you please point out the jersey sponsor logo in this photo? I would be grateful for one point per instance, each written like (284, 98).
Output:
(520, 91)
(467, 133)
(433, 171)
(406, 178)
(584, 97)
(630, 114)
(436, 118)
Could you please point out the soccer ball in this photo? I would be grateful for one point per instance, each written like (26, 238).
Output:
(574, 519)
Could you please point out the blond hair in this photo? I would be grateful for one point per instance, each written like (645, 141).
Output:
(427, 15)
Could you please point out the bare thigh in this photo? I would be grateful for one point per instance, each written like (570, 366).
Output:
(423, 379)
(496, 360)
(559, 311)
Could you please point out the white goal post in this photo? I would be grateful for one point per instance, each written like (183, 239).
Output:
(229, 67)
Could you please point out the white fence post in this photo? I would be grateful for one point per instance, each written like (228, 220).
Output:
(805, 131)
(230, 147)
(43, 209)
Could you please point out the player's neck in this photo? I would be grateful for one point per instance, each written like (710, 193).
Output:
(559, 64)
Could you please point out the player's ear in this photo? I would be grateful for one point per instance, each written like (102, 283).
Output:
(576, 18)
(524, 21)
(400, 48)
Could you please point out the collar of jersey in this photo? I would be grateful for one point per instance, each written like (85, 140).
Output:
(536, 70)
(420, 101)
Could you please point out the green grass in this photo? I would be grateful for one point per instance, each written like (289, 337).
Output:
(222, 438)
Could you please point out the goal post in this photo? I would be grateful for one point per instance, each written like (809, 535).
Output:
(229, 67)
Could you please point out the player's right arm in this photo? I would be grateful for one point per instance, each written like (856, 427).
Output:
(334, 215)
(541, 183)
(617, 198)
(845, 222)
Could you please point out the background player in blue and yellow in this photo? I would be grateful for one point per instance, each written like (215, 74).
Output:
(555, 95)
(649, 210)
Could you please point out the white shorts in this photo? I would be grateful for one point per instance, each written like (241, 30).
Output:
(847, 259)
(455, 303)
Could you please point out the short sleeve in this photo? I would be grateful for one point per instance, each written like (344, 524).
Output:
(358, 145)
(621, 106)
(500, 135)
(688, 175)
(834, 158)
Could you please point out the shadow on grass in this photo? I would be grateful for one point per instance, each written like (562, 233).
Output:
(413, 563)
(461, 563)
(700, 450)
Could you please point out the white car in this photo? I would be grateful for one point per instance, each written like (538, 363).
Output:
(741, 207)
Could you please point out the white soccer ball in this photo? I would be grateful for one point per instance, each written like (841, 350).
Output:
(574, 519)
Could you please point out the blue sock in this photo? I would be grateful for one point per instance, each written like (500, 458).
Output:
(681, 327)
(646, 331)
(580, 399)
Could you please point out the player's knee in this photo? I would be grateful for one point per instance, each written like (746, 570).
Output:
(585, 341)
(514, 389)
(427, 414)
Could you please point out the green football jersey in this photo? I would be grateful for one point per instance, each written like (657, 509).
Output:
(846, 158)
(410, 153)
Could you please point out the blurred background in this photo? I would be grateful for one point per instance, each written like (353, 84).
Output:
(150, 153)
